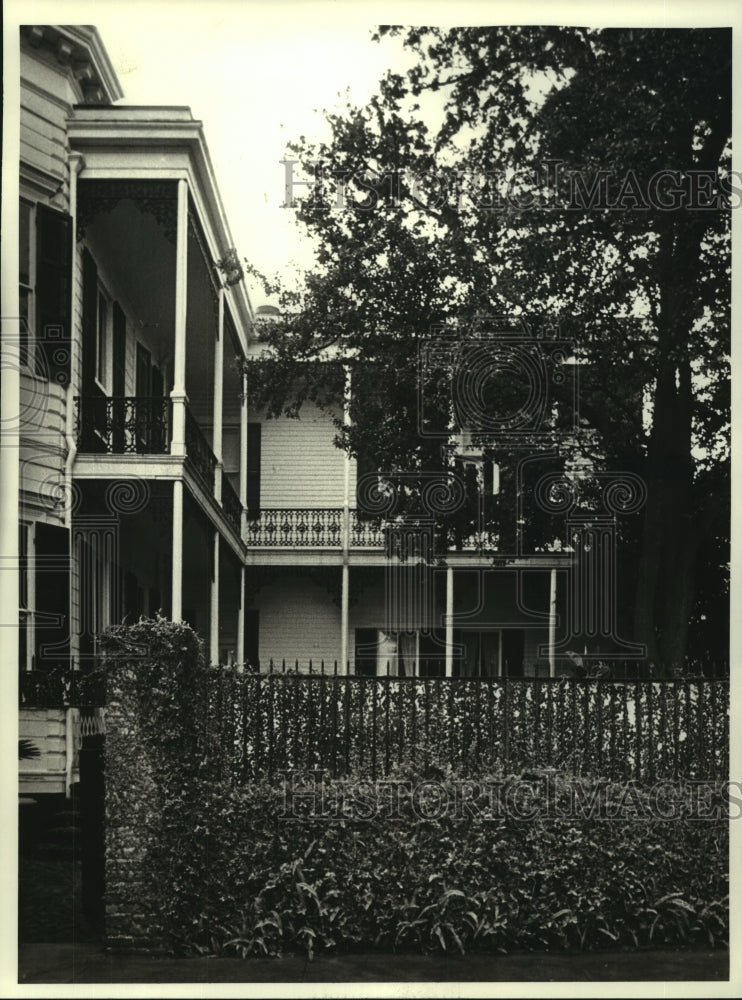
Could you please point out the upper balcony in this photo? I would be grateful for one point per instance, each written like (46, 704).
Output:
(324, 529)
(142, 425)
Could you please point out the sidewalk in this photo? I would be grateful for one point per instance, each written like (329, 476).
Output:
(88, 963)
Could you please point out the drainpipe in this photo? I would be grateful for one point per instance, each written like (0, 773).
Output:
(77, 162)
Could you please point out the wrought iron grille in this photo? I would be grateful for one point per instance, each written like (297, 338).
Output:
(122, 425)
(198, 451)
(296, 528)
(231, 503)
(366, 533)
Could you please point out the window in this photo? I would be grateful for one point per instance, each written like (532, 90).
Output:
(25, 280)
(253, 470)
(25, 597)
(102, 339)
(378, 653)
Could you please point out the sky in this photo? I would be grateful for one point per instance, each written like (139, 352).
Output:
(258, 74)
(257, 78)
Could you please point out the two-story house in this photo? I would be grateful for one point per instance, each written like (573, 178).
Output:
(149, 483)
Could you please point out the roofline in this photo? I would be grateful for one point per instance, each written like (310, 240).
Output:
(87, 35)
(106, 126)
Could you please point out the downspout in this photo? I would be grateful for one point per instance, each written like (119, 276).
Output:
(77, 162)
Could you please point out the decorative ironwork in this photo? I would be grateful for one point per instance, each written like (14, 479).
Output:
(323, 529)
(123, 425)
(199, 452)
(296, 528)
(231, 503)
(366, 533)
(158, 198)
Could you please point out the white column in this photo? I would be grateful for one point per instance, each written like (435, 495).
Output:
(240, 653)
(344, 605)
(218, 396)
(177, 562)
(214, 629)
(178, 394)
(243, 454)
(345, 602)
(449, 621)
(552, 620)
(11, 407)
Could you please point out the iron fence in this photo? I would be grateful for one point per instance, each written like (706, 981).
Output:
(265, 723)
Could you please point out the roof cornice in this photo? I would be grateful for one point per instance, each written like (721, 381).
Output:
(79, 50)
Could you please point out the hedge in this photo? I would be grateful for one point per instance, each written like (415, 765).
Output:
(196, 864)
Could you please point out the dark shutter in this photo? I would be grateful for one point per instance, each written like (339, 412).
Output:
(93, 416)
(53, 293)
(366, 648)
(252, 637)
(253, 470)
(364, 467)
(119, 377)
(89, 322)
(52, 596)
(513, 646)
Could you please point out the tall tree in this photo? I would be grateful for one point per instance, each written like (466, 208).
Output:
(569, 174)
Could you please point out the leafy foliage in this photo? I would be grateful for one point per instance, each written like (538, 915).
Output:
(451, 883)
(449, 212)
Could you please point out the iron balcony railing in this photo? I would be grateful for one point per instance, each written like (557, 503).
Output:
(322, 528)
(292, 528)
(231, 504)
(124, 425)
(199, 451)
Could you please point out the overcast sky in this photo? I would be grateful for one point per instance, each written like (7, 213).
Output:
(257, 80)
(258, 74)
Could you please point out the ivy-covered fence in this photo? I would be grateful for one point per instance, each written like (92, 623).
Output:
(272, 722)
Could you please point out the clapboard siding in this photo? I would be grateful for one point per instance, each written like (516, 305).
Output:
(298, 620)
(300, 465)
(43, 140)
(43, 446)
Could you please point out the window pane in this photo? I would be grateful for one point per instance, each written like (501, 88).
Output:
(102, 326)
(24, 262)
(24, 297)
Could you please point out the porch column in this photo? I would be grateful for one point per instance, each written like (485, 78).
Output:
(218, 395)
(178, 393)
(10, 428)
(552, 621)
(243, 455)
(449, 621)
(345, 603)
(241, 619)
(214, 627)
(177, 562)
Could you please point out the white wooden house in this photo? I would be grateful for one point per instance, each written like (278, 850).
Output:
(149, 483)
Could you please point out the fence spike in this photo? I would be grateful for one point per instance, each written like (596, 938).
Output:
(335, 668)
(270, 666)
(322, 667)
